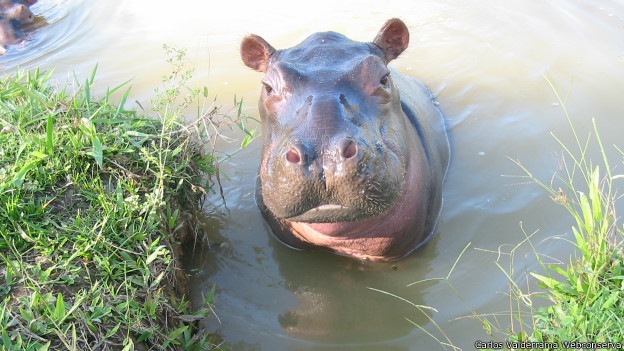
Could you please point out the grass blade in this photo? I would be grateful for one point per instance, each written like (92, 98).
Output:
(122, 103)
(59, 310)
(50, 135)
(92, 78)
(34, 94)
(97, 152)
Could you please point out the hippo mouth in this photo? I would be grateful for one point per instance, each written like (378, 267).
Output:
(332, 213)
(339, 220)
(324, 214)
(347, 201)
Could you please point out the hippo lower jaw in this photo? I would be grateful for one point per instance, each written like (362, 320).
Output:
(384, 237)
(328, 215)
(322, 211)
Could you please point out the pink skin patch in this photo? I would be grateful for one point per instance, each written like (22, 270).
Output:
(379, 237)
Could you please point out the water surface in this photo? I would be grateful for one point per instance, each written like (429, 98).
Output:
(486, 61)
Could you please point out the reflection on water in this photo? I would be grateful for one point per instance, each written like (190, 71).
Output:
(486, 63)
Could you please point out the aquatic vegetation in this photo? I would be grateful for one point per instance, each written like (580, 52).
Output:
(95, 201)
(583, 306)
(580, 303)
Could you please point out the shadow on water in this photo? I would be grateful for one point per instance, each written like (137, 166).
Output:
(333, 302)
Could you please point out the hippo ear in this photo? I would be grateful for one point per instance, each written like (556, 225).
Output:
(256, 52)
(392, 38)
(22, 14)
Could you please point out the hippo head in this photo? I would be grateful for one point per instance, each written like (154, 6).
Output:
(332, 151)
(21, 13)
(336, 141)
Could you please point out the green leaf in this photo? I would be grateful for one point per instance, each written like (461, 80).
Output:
(122, 102)
(559, 270)
(145, 336)
(19, 178)
(93, 74)
(6, 341)
(567, 321)
(88, 95)
(154, 255)
(44, 347)
(34, 94)
(112, 331)
(97, 153)
(210, 298)
(173, 335)
(246, 141)
(580, 241)
(240, 111)
(119, 86)
(126, 257)
(50, 135)
(554, 285)
(487, 327)
(59, 310)
(610, 300)
(39, 155)
(587, 213)
(130, 345)
(8, 276)
(594, 194)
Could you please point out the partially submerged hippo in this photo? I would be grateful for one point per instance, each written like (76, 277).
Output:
(354, 153)
(13, 14)
(7, 5)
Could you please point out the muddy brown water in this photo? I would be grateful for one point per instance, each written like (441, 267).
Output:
(486, 61)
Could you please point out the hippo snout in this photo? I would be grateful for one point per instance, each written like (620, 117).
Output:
(302, 154)
(338, 180)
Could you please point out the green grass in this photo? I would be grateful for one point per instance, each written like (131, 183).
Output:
(584, 297)
(95, 201)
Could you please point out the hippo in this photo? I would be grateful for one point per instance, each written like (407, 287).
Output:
(7, 5)
(11, 19)
(354, 153)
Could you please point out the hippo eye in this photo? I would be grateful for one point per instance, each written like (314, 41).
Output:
(384, 81)
(267, 88)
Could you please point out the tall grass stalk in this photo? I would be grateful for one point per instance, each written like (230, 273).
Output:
(446, 343)
(584, 297)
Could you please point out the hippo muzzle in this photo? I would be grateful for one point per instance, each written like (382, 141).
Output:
(346, 164)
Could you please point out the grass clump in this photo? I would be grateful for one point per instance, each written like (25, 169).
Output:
(95, 201)
(585, 307)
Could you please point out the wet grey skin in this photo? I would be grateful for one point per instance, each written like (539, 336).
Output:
(354, 153)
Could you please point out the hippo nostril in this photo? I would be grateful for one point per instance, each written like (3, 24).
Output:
(350, 150)
(293, 155)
